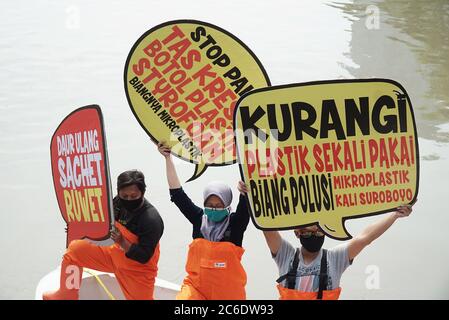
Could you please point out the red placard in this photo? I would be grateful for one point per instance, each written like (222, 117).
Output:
(81, 174)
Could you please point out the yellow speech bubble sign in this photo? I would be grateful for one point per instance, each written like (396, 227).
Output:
(323, 152)
(182, 81)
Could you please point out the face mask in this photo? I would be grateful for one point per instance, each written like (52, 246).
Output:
(216, 215)
(312, 243)
(131, 205)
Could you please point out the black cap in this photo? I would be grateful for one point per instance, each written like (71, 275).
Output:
(131, 177)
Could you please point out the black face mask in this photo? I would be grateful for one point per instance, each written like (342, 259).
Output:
(131, 205)
(312, 243)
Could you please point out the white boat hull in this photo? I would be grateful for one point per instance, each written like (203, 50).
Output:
(92, 290)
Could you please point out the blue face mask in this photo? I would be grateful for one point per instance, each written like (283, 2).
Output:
(216, 215)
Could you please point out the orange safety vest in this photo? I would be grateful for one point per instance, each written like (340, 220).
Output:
(214, 272)
(290, 293)
(136, 279)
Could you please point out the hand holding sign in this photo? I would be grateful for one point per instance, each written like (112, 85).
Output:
(182, 80)
(81, 174)
(326, 151)
(242, 188)
(118, 238)
(405, 210)
(116, 235)
(164, 149)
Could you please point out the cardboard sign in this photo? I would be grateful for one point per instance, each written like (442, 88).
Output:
(81, 174)
(323, 152)
(182, 80)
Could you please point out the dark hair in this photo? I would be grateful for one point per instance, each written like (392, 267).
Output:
(131, 177)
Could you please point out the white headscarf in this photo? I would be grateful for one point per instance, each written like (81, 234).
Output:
(214, 231)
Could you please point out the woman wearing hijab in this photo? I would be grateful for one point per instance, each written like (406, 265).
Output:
(214, 269)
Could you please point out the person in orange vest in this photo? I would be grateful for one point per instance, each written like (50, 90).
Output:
(312, 273)
(214, 269)
(134, 255)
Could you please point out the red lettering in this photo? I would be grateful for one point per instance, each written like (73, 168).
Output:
(153, 48)
(203, 73)
(141, 65)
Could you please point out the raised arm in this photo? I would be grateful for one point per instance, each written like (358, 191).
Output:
(374, 231)
(177, 195)
(241, 212)
(274, 241)
(273, 238)
(172, 176)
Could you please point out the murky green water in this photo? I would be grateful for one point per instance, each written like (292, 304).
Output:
(411, 45)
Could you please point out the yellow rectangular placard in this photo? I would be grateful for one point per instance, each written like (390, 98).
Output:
(323, 152)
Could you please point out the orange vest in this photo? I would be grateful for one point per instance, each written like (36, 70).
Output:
(214, 272)
(292, 294)
(136, 279)
(128, 264)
